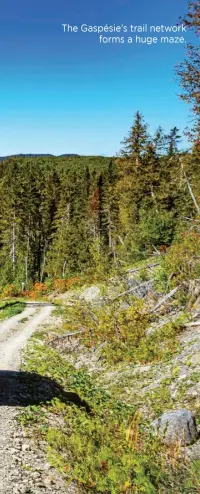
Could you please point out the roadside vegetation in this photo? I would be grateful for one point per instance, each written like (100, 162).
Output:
(112, 447)
(10, 308)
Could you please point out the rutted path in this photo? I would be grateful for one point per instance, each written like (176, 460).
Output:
(7, 325)
(23, 469)
(11, 346)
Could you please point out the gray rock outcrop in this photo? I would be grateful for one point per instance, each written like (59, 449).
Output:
(177, 426)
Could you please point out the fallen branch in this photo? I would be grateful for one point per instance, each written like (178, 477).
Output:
(68, 335)
(70, 304)
(190, 219)
(135, 288)
(156, 250)
(194, 323)
(164, 299)
(120, 239)
(143, 267)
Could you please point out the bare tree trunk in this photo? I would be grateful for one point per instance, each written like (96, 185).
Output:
(64, 268)
(120, 239)
(26, 259)
(154, 198)
(13, 245)
(111, 240)
(44, 262)
(192, 194)
(65, 219)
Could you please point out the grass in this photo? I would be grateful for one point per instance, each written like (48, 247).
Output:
(9, 309)
(8, 302)
(23, 320)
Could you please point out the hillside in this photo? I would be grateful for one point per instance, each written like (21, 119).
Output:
(31, 155)
(121, 356)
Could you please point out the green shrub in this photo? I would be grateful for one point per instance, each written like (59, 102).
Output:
(181, 263)
(11, 309)
(156, 228)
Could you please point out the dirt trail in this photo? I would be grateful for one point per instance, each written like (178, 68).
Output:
(10, 347)
(15, 449)
(11, 323)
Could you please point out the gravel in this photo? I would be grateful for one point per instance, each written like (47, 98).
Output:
(23, 464)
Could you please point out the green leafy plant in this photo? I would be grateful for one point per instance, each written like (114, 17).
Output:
(10, 310)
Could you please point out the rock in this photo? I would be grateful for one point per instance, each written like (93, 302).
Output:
(142, 288)
(182, 377)
(132, 281)
(36, 475)
(193, 452)
(91, 294)
(25, 490)
(195, 359)
(194, 391)
(25, 447)
(144, 368)
(50, 480)
(124, 306)
(177, 425)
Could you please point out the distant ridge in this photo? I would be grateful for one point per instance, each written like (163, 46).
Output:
(2, 158)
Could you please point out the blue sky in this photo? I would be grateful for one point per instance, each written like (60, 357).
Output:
(66, 93)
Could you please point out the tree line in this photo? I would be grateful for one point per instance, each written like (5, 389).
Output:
(68, 215)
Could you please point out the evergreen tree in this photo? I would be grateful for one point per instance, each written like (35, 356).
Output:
(159, 141)
(173, 140)
(135, 143)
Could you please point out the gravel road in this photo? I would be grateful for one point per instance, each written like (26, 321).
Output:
(23, 467)
(14, 334)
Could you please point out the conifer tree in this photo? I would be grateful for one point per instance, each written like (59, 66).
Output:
(173, 140)
(135, 143)
(159, 141)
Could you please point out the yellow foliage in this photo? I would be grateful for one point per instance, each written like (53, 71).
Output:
(124, 325)
(182, 261)
(132, 433)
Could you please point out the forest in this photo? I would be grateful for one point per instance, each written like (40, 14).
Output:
(63, 216)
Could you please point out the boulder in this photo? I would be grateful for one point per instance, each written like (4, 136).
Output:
(140, 288)
(91, 294)
(177, 426)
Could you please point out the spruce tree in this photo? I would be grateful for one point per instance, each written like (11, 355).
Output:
(173, 140)
(134, 145)
(159, 141)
